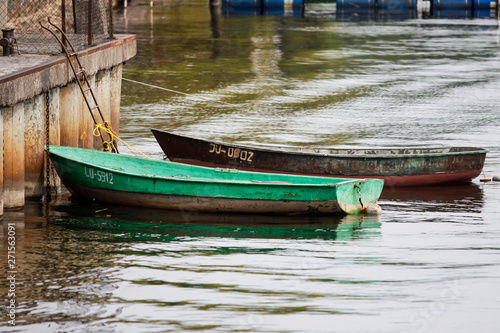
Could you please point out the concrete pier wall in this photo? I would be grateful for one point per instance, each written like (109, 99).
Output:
(24, 88)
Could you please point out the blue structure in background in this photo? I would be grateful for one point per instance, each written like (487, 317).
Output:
(483, 4)
(356, 3)
(464, 8)
(451, 4)
(376, 3)
(365, 9)
(464, 4)
(376, 9)
(263, 7)
(406, 9)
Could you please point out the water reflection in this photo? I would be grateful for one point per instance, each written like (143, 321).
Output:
(63, 275)
(380, 14)
(133, 224)
(465, 198)
(74, 258)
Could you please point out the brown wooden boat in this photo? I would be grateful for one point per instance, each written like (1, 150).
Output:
(397, 166)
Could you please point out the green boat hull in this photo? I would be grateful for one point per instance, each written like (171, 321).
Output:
(127, 180)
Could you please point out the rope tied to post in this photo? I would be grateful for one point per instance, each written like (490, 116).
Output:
(110, 145)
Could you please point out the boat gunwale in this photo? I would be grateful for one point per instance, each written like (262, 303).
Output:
(293, 150)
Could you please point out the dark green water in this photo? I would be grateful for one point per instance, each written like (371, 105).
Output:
(429, 263)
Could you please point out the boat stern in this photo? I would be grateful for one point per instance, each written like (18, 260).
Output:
(354, 197)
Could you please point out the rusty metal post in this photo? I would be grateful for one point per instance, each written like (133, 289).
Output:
(7, 41)
(89, 18)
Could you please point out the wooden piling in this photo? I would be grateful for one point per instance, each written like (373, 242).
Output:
(95, 142)
(103, 92)
(70, 106)
(13, 151)
(34, 140)
(115, 95)
(54, 136)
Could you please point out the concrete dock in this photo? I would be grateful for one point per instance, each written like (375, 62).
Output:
(32, 83)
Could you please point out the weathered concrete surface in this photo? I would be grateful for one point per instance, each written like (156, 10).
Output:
(13, 153)
(24, 76)
(24, 82)
(70, 98)
(34, 138)
(116, 87)
(102, 92)
(54, 139)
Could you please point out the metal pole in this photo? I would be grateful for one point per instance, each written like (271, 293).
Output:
(89, 17)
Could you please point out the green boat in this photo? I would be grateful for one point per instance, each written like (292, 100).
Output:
(127, 180)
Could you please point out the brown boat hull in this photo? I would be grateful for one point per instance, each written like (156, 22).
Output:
(397, 167)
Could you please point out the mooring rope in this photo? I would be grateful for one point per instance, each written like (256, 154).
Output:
(106, 127)
(175, 91)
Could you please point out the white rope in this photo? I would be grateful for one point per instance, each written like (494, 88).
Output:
(174, 91)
